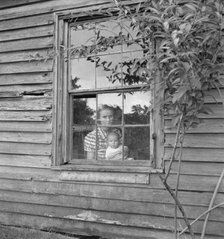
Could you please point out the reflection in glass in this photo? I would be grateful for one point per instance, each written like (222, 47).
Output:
(84, 115)
(105, 30)
(82, 34)
(137, 107)
(137, 140)
(107, 75)
(133, 70)
(83, 73)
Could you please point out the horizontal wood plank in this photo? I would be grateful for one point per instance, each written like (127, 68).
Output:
(16, 3)
(26, 79)
(20, 126)
(26, 137)
(197, 168)
(198, 183)
(198, 140)
(198, 154)
(206, 126)
(25, 160)
(27, 103)
(31, 21)
(25, 148)
(27, 90)
(23, 67)
(28, 55)
(27, 44)
(40, 31)
(113, 177)
(37, 116)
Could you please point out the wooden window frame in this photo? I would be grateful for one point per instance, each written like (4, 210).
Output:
(62, 115)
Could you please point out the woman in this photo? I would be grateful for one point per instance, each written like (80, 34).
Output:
(96, 140)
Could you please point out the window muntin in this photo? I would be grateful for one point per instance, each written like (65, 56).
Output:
(91, 86)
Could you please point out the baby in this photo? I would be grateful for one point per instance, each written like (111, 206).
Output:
(114, 147)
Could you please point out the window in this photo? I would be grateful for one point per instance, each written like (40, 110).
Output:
(104, 107)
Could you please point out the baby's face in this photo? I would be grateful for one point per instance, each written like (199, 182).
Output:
(113, 141)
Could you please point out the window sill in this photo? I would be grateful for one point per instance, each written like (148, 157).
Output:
(135, 166)
(101, 173)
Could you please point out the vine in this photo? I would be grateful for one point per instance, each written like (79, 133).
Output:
(182, 41)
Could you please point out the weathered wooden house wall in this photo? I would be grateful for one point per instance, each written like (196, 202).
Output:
(33, 195)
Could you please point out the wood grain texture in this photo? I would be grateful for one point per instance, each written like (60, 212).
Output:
(104, 218)
(28, 55)
(113, 177)
(199, 154)
(26, 103)
(26, 44)
(143, 194)
(38, 31)
(198, 140)
(35, 116)
(26, 137)
(16, 3)
(25, 148)
(20, 126)
(25, 160)
(19, 23)
(26, 79)
(109, 205)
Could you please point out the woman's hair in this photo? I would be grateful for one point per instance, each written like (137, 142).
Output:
(104, 107)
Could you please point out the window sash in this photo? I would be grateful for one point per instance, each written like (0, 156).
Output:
(62, 119)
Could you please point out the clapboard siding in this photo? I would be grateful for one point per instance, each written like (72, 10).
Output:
(26, 103)
(15, 126)
(17, 34)
(16, 116)
(199, 154)
(14, 3)
(28, 55)
(75, 227)
(103, 217)
(25, 160)
(20, 23)
(206, 126)
(51, 6)
(26, 44)
(25, 148)
(198, 140)
(85, 201)
(143, 194)
(26, 79)
(99, 204)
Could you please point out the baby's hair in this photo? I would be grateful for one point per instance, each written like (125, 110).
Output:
(113, 133)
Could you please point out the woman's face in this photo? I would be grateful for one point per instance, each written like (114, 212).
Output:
(106, 117)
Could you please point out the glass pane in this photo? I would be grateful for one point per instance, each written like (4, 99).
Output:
(106, 73)
(137, 107)
(83, 74)
(133, 72)
(137, 139)
(82, 34)
(84, 118)
(109, 109)
(105, 30)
